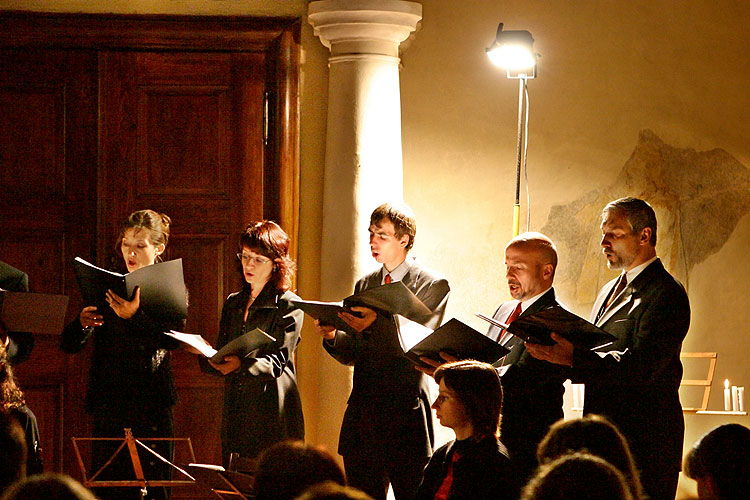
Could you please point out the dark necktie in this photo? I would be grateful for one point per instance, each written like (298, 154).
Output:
(515, 344)
(388, 279)
(622, 282)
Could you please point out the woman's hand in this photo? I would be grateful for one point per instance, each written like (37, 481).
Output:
(230, 364)
(89, 317)
(124, 308)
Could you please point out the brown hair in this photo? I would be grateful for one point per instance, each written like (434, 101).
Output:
(400, 216)
(286, 469)
(477, 387)
(11, 397)
(593, 434)
(155, 223)
(267, 238)
(49, 486)
(578, 476)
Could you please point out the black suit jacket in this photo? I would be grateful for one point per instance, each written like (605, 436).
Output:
(389, 409)
(636, 383)
(20, 343)
(532, 398)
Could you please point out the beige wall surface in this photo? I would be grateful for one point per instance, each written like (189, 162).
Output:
(609, 70)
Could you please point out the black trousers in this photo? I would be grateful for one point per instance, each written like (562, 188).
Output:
(372, 474)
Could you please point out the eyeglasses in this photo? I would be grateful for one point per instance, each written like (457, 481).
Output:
(258, 261)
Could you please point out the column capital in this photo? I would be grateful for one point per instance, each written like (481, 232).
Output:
(363, 26)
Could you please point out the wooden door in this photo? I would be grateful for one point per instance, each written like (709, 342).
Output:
(182, 133)
(103, 115)
(48, 138)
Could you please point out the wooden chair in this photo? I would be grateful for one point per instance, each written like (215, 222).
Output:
(705, 383)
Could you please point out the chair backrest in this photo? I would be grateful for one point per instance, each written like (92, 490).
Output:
(705, 383)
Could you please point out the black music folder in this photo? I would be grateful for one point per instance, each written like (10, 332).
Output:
(454, 337)
(163, 292)
(536, 328)
(242, 346)
(33, 312)
(392, 298)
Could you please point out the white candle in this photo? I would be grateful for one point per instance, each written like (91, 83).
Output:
(576, 400)
(727, 396)
(735, 399)
(741, 398)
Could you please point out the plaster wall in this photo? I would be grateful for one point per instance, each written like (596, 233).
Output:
(609, 69)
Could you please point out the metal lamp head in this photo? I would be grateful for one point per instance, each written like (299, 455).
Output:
(514, 52)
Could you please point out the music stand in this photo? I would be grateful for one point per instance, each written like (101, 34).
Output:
(226, 484)
(140, 480)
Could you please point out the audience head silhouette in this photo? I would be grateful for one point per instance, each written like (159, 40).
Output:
(12, 450)
(596, 435)
(48, 487)
(720, 463)
(286, 469)
(577, 476)
(333, 491)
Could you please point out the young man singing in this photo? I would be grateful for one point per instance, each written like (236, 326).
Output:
(386, 436)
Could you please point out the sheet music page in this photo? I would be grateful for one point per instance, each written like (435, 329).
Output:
(410, 333)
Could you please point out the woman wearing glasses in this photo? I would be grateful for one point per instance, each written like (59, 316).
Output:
(261, 402)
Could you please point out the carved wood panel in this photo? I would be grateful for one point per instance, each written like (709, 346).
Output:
(103, 115)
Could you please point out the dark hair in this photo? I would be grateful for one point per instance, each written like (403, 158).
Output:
(267, 238)
(286, 469)
(333, 491)
(400, 216)
(48, 487)
(639, 214)
(12, 450)
(578, 476)
(155, 223)
(11, 397)
(596, 435)
(722, 455)
(477, 387)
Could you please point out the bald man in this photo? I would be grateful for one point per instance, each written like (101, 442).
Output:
(532, 389)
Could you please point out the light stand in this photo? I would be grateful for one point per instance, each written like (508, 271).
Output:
(513, 51)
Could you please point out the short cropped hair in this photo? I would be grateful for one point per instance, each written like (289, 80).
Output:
(268, 239)
(578, 476)
(477, 387)
(722, 455)
(638, 213)
(539, 242)
(402, 218)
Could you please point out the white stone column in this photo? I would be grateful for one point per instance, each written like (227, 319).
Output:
(363, 163)
(363, 140)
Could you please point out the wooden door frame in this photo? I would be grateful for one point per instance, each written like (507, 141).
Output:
(278, 37)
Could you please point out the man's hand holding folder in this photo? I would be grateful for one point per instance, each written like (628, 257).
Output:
(359, 311)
